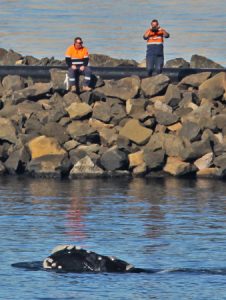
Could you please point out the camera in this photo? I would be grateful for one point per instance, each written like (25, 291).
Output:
(154, 29)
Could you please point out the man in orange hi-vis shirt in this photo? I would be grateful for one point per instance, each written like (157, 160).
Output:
(77, 59)
(155, 55)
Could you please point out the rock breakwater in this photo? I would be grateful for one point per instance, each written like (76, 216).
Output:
(129, 127)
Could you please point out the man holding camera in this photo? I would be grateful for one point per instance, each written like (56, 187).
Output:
(155, 55)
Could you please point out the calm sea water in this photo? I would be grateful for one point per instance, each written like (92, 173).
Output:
(115, 28)
(160, 224)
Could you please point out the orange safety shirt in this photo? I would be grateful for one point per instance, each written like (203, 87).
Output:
(75, 56)
(155, 38)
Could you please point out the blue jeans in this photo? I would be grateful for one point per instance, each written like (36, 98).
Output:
(154, 59)
(74, 76)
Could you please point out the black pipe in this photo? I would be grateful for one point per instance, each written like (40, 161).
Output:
(41, 73)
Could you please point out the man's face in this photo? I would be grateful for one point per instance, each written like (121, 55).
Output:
(78, 44)
(154, 24)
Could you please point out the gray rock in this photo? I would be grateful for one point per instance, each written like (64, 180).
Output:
(3, 52)
(53, 129)
(5, 149)
(102, 111)
(198, 61)
(7, 131)
(123, 89)
(154, 159)
(118, 113)
(17, 161)
(33, 125)
(195, 150)
(166, 118)
(177, 63)
(78, 111)
(176, 167)
(100, 60)
(114, 159)
(190, 131)
(13, 82)
(10, 58)
(220, 121)
(69, 98)
(85, 167)
(2, 168)
(92, 97)
(189, 97)
(53, 166)
(82, 132)
(214, 87)
(84, 150)
(172, 96)
(32, 92)
(136, 107)
(155, 85)
(135, 132)
(108, 136)
(194, 80)
(220, 161)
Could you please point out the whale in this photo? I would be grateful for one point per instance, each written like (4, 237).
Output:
(74, 259)
(71, 258)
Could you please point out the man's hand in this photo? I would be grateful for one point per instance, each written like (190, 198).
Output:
(82, 68)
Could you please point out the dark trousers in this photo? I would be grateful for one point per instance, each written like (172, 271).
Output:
(74, 76)
(154, 59)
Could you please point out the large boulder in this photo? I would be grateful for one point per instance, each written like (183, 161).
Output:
(33, 92)
(172, 96)
(81, 151)
(114, 159)
(13, 82)
(85, 167)
(165, 117)
(10, 58)
(201, 62)
(136, 107)
(2, 168)
(55, 130)
(135, 132)
(204, 162)
(194, 80)
(42, 146)
(220, 161)
(177, 63)
(190, 131)
(54, 166)
(214, 87)
(124, 88)
(102, 111)
(154, 159)
(136, 158)
(78, 111)
(100, 60)
(176, 167)
(7, 131)
(155, 85)
(17, 161)
(82, 132)
(171, 144)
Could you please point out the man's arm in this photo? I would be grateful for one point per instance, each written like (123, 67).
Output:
(147, 34)
(165, 33)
